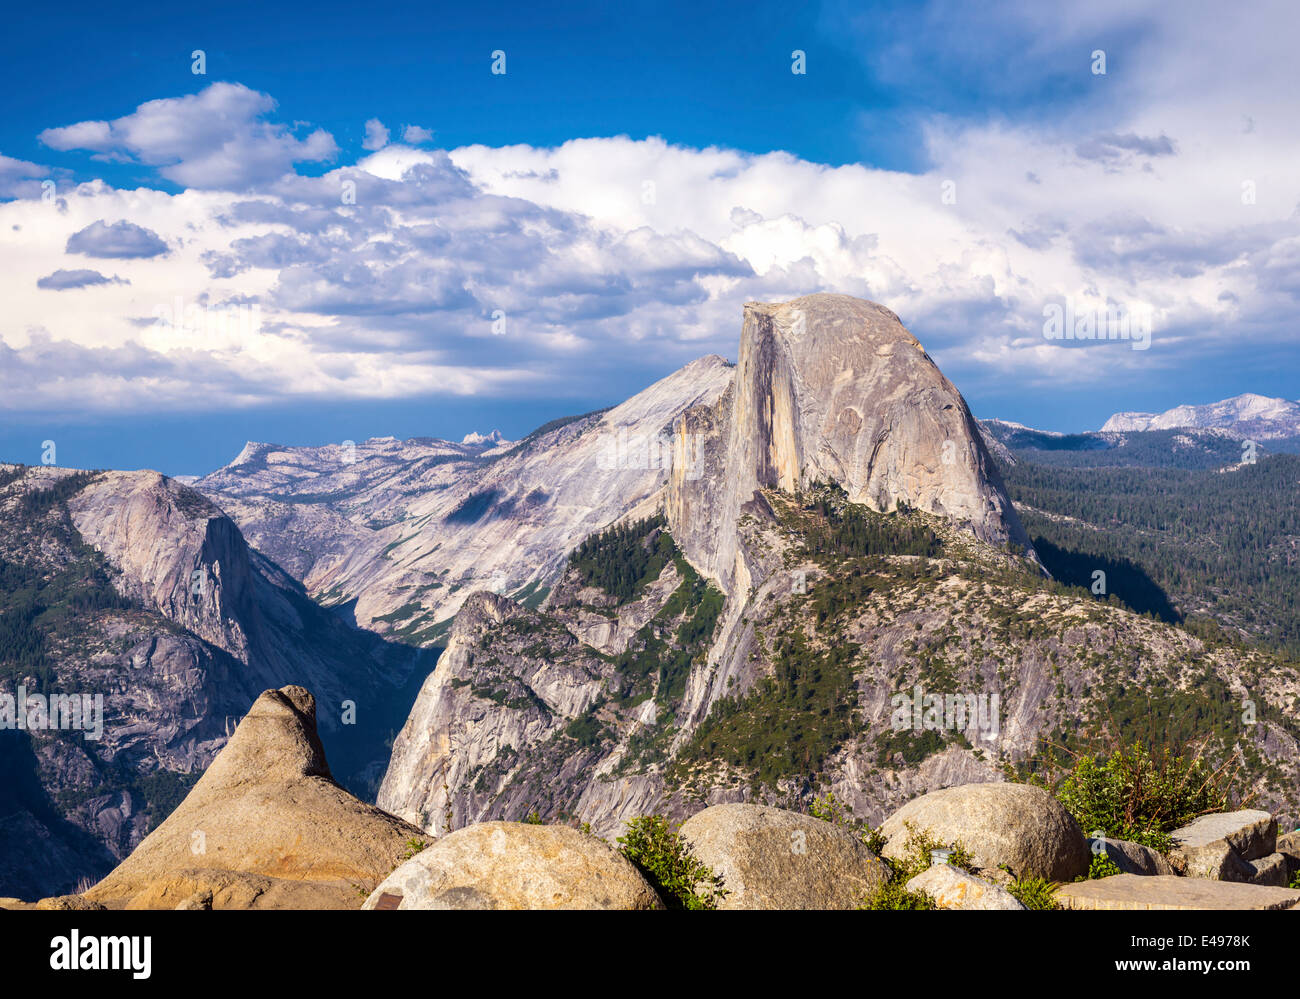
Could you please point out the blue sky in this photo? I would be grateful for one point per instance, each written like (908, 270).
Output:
(638, 172)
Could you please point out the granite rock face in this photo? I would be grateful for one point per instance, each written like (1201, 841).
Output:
(830, 388)
(400, 533)
(591, 705)
(480, 709)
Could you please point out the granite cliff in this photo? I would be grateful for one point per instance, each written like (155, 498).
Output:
(830, 389)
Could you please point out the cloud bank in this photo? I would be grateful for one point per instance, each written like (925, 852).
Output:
(516, 270)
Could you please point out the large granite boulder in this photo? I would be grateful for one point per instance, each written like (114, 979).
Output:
(770, 858)
(516, 865)
(1018, 825)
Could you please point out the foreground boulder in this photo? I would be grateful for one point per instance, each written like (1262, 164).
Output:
(1229, 846)
(267, 807)
(770, 858)
(953, 888)
(1018, 825)
(1134, 891)
(516, 865)
(1130, 858)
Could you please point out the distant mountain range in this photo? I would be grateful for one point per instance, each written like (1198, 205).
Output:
(1214, 435)
(1247, 415)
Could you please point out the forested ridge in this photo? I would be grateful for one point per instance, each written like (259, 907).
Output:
(1219, 543)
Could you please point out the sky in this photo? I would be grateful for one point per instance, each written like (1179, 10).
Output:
(249, 222)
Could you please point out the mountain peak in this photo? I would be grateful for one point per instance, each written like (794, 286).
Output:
(831, 388)
(1261, 415)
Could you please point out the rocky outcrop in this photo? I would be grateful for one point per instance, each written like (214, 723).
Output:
(268, 807)
(1230, 846)
(513, 865)
(200, 889)
(828, 389)
(770, 858)
(832, 389)
(1019, 825)
(482, 710)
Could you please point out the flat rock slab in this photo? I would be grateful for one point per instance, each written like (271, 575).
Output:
(1164, 891)
(1250, 832)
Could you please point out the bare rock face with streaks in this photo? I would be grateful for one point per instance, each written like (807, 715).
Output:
(481, 708)
(399, 533)
(830, 388)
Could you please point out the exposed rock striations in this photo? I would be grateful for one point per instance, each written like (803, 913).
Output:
(832, 389)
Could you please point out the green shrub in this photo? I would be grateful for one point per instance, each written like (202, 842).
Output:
(916, 854)
(1101, 866)
(1139, 795)
(659, 852)
(413, 846)
(1034, 893)
(893, 896)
